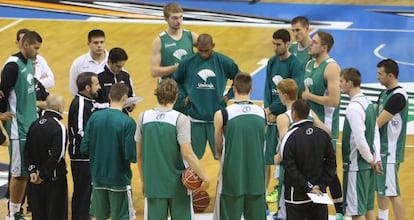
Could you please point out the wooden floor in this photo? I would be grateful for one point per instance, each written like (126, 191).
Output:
(65, 40)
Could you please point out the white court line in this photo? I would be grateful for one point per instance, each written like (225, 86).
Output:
(11, 25)
(377, 53)
(209, 216)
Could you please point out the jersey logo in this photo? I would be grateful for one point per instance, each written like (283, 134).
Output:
(308, 82)
(30, 88)
(276, 79)
(169, 45)
(246, 109)
(29, 79)
(160, 116)
(309, 131)
(205, 74)
(179, 54)
(42, 121)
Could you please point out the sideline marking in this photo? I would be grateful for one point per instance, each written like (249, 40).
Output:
(11, 24)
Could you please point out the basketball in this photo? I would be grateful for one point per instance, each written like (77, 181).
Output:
(190, 179)
(201, 200)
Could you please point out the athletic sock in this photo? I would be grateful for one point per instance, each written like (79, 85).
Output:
(14, 208)
(383, 214)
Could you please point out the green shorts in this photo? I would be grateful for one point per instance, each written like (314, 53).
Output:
(359, 191)
(252, 207)
(200, 133)
(179, 207)
(271, 143)
(387, 184)
(180, 105)
(114, 202)
(17, 163)
(333, 141)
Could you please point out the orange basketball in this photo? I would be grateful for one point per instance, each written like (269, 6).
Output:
(190, 179)
(201, 200)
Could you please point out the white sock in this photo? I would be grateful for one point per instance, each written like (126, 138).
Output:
(14, 207)
(383, 214)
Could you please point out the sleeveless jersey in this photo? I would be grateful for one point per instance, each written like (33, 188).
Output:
(172, 51)
(314, 79)
(162, 161)
(301, 53)
(22, 100)
(352, 159)
(243, 163)
(393, 133)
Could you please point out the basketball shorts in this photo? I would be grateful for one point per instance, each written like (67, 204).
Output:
(200, 133)
(179, 207)
(112, 202)
(271, 143)
(252, 207)
(387, 184)
(17, 163)
(359, 191)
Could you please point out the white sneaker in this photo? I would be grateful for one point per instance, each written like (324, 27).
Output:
(9, 217)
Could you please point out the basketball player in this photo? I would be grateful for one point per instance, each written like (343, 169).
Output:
(392, 120)
(300, 47)
(111, 150)
(360, 148)
(170, 47)
(323, 93)
(163, 141)
(20, 99)
(241, 186)
(281, 66)
(203, 77)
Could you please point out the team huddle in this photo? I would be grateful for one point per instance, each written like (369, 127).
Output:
(296, 130)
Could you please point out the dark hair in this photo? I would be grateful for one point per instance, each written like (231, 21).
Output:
(353, 75)
(95, 33)
(243, 83)
(302, 20)
(31, 37)
(20, 32)
(282, 34)
(390, 66)
(117, 91)
(326, 39)
(85, 79)
(166, 92)
(117, 54)
(301, 108)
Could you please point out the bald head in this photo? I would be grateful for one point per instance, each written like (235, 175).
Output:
(55, 102)
(204, 40)
(205, 46)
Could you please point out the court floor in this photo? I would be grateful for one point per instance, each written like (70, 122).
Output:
(364, 34)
